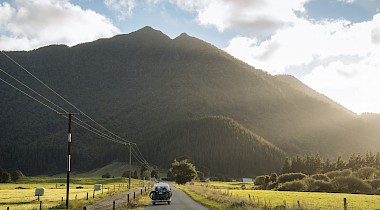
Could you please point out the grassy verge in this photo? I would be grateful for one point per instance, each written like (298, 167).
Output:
(21, 196)
(210, 199)
(229, 197)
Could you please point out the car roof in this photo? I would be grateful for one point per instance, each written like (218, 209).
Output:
(161, 184)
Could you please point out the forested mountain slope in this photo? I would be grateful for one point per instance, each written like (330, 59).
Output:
(146, 86)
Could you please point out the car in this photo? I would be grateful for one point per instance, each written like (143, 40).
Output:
(161, 193)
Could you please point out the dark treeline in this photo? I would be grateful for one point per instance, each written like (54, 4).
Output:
(13, 176)
(236, 151)
(314, 164)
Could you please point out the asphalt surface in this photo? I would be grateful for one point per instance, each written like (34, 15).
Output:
(107, 203)
(180, 201)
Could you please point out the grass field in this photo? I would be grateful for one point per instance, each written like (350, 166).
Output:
(21, 195)
(217, 196)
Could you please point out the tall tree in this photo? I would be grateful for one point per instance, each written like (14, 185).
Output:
(183, 171)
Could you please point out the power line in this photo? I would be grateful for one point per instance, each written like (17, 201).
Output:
(28, 95)
(60, 96)
(29, 88)
(120, 140)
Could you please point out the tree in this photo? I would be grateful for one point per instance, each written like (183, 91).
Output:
(16, 175)
(273, 177)
(146, 175)
(126, 174)
(169, 175)
(155, 173)
(5, 177)
(286, 168)
(144, 171)
(106, 175)
(183, 171)
(135, 176)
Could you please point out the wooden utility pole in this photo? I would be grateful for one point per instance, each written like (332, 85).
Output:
(69, 139)
(130, 165)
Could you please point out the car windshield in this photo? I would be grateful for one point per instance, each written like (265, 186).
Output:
(161, 188)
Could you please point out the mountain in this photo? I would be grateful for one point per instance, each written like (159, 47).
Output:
(153, 89)
(214, 139)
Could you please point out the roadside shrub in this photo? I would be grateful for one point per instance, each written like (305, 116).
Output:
(273, 177)
(334, 174)
(259, 180)
(309, 183)
(375, 183)
(350, 184)
(272, 186)
(297, 185)
(322, 186)
(367, 173)
(322, 177)
(291, 177)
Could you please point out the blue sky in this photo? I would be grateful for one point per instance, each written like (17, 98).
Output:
(331, 45)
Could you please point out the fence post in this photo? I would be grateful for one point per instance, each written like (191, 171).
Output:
(87, 195)
(61, 199)
(134, 195)
(84, 208)
(299, 206)
(76, 196)
(128, 198)
(141, 192)
(345, 203)
(93, 194)
(113, 207)
(8, 208)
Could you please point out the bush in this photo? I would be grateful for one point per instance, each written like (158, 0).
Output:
(367, 173)
(334, 174)
(374, 183)
(273, 177)
(322, 186)
(106, 175)
(259, 180)
(309, 183)
(125, 174)
(4, 176)
(16, 175)
(350, 184)
(297, 185)
(322, 177)
(291, 177)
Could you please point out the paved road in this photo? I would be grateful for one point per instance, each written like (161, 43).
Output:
(180, 201)
(107, 203)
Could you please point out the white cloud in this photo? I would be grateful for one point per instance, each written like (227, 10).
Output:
(347, 1)
(342, 57)
(123, 7)
(29, 24)
(260, 17)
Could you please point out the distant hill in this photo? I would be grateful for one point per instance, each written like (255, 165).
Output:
(153, 89)
(298, 85)
(219, 144)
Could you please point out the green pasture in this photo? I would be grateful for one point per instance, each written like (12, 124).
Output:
(311, 200)
(231, 191)
(21, 195)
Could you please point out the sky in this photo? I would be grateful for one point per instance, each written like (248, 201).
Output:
(333, 46)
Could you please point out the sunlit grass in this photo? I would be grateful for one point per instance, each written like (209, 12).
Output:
(223, 195)
(22, 194)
